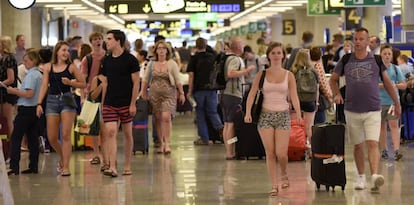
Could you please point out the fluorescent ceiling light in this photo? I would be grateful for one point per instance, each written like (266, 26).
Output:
(62, 5)
(275, 8)
(245, 12)
(293, 1)
(70, 8)
(116, 18)
(135, 16)
(286, 4)
(177, 16)
(54, 1)
(100, 9)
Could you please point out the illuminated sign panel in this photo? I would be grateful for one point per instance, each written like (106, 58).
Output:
(172, 6)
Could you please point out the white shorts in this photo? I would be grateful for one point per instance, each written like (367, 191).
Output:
(363, 126)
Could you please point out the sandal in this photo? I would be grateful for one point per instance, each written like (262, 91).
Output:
(104, 167)
(285, 182)
(274, 191)
(95, 160)
(110, 173)
(126, 172)
(65, 174)
(59, 167)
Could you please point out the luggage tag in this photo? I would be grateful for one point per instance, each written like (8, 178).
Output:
(232, 140)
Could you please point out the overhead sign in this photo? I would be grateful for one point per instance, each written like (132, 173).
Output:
(319, 8)
(353, 18)
(142, 24)
(289, 27)
(364, 3)
(172, 6)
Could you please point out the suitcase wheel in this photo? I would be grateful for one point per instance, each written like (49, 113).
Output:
(343, 188)
(318, 186)
(327, 188)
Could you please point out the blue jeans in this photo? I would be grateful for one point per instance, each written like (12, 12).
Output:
(206, 108)
(320, 117)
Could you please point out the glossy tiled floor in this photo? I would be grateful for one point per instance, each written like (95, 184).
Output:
(198, 175)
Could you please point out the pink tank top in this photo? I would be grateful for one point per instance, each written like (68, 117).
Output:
(275, 95)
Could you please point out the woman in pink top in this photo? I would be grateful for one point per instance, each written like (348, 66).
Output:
(274, 121)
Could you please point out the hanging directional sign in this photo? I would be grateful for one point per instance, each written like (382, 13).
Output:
(289, 27)
(172, 6)
(243, 30)
(319, 8)
(252, 27)
(261, 26)
(364, 3)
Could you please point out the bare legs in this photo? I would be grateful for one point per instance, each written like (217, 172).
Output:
(228, 133)
(164, 125)
(373, 156)
(66, 119)
(276, 144)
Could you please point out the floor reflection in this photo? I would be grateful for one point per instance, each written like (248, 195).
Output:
(198, 175)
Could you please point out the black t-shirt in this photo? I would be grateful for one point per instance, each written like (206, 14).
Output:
(118, 71)
(202, 63)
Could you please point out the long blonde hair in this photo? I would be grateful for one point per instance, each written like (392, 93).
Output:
(302, 59)
(6, 44)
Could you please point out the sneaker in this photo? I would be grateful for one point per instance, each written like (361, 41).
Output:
(360, 182)
(377, 181)
(397, 155)
(384, 154)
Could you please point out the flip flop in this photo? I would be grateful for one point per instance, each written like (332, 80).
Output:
(110, 173)
(126, 172)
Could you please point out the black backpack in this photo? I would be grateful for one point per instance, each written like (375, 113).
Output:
(217, 76)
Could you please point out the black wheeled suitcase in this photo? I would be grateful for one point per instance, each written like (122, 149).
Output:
(328, 148)
(140, 127)
(248, 142)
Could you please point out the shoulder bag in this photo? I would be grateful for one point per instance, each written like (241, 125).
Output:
(258, 100)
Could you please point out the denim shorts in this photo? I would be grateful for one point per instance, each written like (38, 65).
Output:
(230, 105)
(55, 105)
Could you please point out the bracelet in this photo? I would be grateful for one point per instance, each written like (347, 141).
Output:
(39, 104)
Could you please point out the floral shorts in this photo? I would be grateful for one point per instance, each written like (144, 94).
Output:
(274, 120)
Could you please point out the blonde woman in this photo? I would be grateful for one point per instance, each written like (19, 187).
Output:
(8, 76)
(162, 76)
(303, 61)
(59, 76)
(274, 120)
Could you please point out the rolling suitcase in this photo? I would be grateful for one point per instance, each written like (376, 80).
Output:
(327, 163)
(248, 142)
(297, 141)
(140, 127)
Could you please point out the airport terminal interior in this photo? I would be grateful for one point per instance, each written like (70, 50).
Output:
(201, 174)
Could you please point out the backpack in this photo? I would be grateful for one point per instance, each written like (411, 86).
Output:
(346, 57)
(203, 67)
(306, 84)
(217, 75)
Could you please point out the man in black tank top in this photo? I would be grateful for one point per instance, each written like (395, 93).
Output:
(121, 70)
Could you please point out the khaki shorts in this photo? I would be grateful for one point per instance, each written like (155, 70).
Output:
(385, 116)
(363, 126)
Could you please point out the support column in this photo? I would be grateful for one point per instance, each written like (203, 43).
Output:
(15, 21)
(373, 18)
(407, 15)
(276, 28)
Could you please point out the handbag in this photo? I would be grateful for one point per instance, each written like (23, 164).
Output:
(87, 116)
(323, 103)
(258, 100)
(69, 100)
